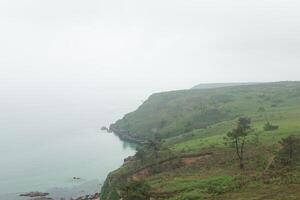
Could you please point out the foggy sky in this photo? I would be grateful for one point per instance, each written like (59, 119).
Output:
(126, 46)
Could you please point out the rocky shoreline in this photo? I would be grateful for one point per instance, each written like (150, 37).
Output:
(88, 197)
(44, 196)
(125, 136)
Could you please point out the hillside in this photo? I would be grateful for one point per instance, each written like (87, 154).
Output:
(173, 113)
(183, 152)
(219, 85)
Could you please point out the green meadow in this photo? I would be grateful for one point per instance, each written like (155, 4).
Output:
(193, 161)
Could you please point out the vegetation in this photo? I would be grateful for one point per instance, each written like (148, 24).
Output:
(154, 145)
(290, 149)
(269, 127)
(135, 190)
(237, 137)
(183, 155)
(140, 154)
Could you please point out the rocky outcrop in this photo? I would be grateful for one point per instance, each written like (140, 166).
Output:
(88, 197)
(43, 196)
(34, 194)
(128, 159)
(125, 135)
(104, 128)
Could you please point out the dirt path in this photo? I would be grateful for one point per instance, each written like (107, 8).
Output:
(169, 164)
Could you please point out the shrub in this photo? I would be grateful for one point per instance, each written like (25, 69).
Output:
(136, 190)
(269, 127)
(290, 150)
(261, 109)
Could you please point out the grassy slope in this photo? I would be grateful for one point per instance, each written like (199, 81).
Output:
(196, 121)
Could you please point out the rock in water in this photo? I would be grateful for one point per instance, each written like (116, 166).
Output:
(104, 128)
(34, 194)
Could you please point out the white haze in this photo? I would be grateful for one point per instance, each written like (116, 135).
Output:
(55, 48)
(67, 67)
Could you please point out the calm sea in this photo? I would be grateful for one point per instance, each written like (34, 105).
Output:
(50, 135)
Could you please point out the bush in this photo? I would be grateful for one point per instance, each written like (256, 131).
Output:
(269, 127)
(261, 109)
(290, 150)
(136, 190)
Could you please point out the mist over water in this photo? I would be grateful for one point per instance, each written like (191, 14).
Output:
(50, 134)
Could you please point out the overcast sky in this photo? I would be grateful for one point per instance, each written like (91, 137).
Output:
(152, 45)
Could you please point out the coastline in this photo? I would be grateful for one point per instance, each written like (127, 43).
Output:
(125, 137)
(83, 191)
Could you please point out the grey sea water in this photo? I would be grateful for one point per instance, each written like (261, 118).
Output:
(47, 137)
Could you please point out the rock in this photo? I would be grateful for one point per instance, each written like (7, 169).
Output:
(129, 158)
(34, 194)
(94, 196)
(88, 197)
(42, 198)
(104, 128)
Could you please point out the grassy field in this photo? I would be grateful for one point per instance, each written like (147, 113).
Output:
(193, 161)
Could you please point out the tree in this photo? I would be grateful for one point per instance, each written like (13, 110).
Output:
(238, 137)
(261, 110)
(140, 154)
(154, 145)
(290, 148)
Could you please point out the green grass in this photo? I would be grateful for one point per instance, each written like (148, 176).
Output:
(194, 121)
(174, 113)
(197, 188)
